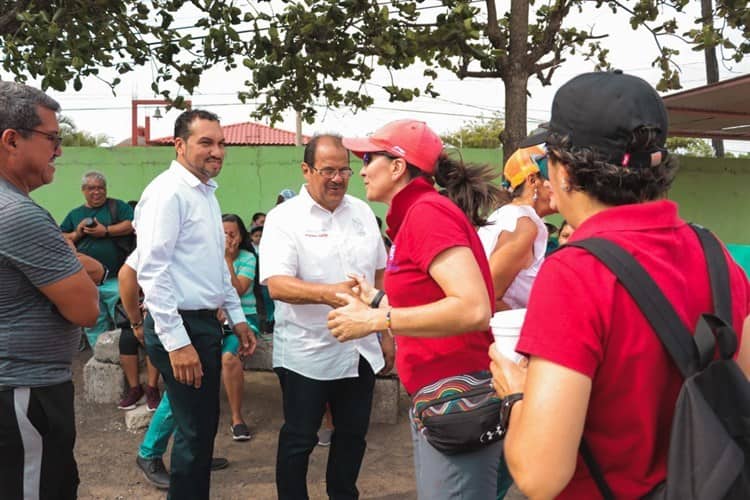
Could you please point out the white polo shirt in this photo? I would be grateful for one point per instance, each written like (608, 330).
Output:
(306, 241)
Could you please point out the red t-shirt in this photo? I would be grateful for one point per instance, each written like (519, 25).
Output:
(422, 223)
(580, 317)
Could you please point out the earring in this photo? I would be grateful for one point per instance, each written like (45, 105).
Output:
(565, 187)
(536, 195)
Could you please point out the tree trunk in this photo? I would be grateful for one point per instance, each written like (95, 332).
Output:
(516, 78)
(712, 65)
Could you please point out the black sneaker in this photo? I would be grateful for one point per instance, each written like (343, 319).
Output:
(154, 470)
(240, 432)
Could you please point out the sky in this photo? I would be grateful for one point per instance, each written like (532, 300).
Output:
(96, 110)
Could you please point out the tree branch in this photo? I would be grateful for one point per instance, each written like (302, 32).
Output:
(493, 29)
(8, 21)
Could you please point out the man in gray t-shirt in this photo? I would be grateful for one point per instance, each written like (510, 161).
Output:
(46, 293)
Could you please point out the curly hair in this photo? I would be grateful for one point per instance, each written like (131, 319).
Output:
(612, 184)
(470, 186)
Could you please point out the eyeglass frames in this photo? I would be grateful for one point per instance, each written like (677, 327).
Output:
(56, 139)
(331, 173)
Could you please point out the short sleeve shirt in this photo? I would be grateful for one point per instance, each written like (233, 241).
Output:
(422, 224)
(104, 250)
(244, 265)
(306, 241)
(36, 342)
(580, 317)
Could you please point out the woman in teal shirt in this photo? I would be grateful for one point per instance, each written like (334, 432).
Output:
(241, 263)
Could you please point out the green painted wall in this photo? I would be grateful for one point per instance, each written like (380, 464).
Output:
(712, 192)
(249, 181)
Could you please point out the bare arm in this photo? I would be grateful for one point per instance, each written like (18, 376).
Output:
(545, 429)
(465, 307)
(101, 231)
(743, 358)
(240, 283)
(513, 252)
(295, 291)
(130, 293)
(121, 228)
(75, 297)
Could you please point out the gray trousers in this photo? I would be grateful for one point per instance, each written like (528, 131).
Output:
(467, 476)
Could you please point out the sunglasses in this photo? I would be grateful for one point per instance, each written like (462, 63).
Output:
(368, 157)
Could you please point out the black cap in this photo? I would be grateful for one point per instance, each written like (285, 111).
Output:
(600, 111)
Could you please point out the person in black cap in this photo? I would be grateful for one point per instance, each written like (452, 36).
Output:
(596, 368)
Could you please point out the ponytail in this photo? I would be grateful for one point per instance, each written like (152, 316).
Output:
(470, 186)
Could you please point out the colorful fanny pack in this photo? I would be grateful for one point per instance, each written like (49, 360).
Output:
(458, 414)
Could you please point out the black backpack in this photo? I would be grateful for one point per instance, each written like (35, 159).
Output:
(709, 445)
(125, 244)
(264, 325)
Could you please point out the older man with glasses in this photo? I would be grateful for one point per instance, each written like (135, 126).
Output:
(94, 228)
(311, 245)
(45, 294)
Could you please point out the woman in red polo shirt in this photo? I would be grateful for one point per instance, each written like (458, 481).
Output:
(439, 292)
(597, 370)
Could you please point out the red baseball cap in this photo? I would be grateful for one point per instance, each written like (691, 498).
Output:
(411, 140)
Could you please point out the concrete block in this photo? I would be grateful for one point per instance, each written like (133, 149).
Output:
(103, 382)
(262, 358)
(385, 400)
(138, 418)
(107, 348)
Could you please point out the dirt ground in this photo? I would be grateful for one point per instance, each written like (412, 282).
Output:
(106, 451)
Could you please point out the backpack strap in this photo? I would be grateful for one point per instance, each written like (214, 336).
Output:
(672, 332)
(596, 472)
(260, 305)
(112, 206)
(718, 272)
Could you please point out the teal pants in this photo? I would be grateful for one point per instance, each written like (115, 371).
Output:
(159, 431)
(109, 294)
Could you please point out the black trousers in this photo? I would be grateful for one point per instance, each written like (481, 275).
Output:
(37, 435)
(196, 411)
(305, 401)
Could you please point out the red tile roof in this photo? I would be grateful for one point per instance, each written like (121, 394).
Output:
(247, 134)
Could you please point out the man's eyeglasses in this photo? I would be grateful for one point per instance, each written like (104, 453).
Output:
(330, 173)
(53, 138)
(368, 157)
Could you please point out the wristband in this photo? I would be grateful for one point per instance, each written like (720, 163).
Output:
(376, 300)
(388, 322)
(505, 408)
(106, 231)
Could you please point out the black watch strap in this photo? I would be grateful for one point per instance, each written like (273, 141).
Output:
(377, 299)
(506, 406)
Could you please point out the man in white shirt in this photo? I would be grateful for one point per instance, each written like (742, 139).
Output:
(185, 281)
(310, 244)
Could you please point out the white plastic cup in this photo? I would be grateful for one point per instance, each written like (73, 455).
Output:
(506, 328)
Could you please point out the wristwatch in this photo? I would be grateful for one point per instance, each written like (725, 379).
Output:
(104, 276)
(505, 407)
(106, 231)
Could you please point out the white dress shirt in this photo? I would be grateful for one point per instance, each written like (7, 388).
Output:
(181, 253)
(304, 240)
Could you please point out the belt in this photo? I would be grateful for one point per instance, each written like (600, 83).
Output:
(199, 313)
